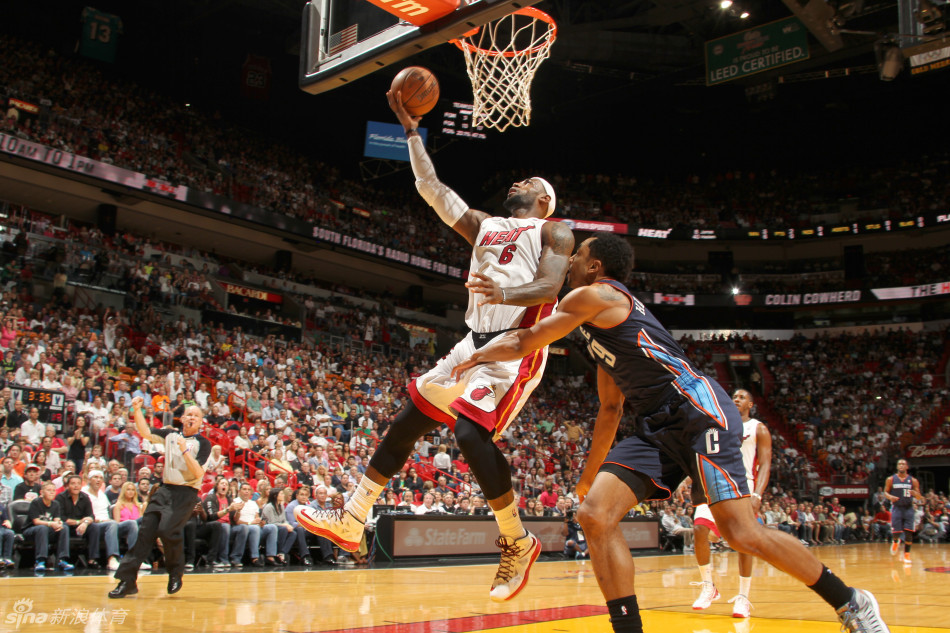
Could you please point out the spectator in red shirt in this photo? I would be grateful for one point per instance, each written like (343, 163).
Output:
(460, 464)
(548, 498)
(882, 524)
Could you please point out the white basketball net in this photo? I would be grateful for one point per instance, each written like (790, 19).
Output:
(501, 59)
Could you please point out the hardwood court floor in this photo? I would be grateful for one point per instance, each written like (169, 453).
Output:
(561, 597)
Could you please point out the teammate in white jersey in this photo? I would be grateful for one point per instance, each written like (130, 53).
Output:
(757, 459)
(517, 268)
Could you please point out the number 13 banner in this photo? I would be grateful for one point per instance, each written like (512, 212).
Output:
(100, 35)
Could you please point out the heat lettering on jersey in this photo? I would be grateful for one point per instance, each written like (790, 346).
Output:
(639, 307)
(492, 238)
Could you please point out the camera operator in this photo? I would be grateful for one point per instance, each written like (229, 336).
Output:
(575, 544)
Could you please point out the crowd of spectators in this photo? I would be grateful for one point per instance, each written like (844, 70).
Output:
(829, 522)
(82, 110)
(303, 417)
(305, 414)
(856, 401)
(882, 270)
(750, 199)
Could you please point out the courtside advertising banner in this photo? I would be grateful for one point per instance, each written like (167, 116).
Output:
(845, 491)
(460, 536)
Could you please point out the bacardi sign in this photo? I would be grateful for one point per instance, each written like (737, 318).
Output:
(252, 293)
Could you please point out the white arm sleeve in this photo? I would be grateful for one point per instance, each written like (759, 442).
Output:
(446, 202)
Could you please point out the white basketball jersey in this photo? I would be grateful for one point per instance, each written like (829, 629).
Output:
(749, 428)
(507, 250)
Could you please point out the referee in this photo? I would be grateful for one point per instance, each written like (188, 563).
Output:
(170, 507)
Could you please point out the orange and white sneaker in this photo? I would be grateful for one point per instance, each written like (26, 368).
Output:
(517, 557)
(907, 558)
(336, 525)
(895, 547)
(706, 597)
(741, 607)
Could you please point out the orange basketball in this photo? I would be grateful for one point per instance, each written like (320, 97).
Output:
(419, 87)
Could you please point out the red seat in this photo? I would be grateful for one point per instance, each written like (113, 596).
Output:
(112, 448)
(206, 487)
(142, 460)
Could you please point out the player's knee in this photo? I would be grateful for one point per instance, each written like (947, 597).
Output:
(470, 435)
(593, 517)
(746, 539)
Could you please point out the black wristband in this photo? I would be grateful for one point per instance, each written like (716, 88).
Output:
(411, 130)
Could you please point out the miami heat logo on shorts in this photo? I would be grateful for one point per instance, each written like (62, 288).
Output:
(479, 393)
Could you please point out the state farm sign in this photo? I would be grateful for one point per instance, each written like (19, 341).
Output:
(448, 536)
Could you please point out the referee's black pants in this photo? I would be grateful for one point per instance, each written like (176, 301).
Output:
(165, 517)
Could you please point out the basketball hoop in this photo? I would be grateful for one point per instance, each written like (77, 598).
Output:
(501, 59)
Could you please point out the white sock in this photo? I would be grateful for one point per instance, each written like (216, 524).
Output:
(364, 497)
(705, 572)
(745, 585)
(509, 523)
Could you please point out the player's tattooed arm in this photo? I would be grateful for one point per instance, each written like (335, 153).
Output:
(557, 244)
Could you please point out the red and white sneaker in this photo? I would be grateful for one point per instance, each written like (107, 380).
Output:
(517, 556)
(741, 607)
(336, 525)
(895, 546)
(706, 596)
(907, 558)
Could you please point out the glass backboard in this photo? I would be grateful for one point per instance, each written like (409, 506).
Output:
(343, 40)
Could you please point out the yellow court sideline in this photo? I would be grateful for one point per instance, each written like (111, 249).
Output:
(562, 596)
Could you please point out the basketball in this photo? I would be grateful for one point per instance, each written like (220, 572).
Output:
(419, 87)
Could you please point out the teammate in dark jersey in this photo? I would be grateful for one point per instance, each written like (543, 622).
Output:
(685, 425)
(901, 489)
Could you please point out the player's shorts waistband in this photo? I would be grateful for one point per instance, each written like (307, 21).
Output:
(480, 339)
(165, 484)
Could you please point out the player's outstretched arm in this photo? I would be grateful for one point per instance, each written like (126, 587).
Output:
(605, 429)
(763, 456)
(579, 306)
(447, 204)
(140, 424)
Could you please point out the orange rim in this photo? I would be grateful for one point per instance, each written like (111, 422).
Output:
(528, 12)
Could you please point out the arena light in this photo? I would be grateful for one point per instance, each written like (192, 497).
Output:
(735, 290)
(725, 4)
(744, 15)
(890, 59)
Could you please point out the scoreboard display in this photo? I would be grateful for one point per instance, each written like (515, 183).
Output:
(51, 404)
(457, 121)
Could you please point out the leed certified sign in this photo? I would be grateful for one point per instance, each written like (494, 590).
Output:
(756, 50)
